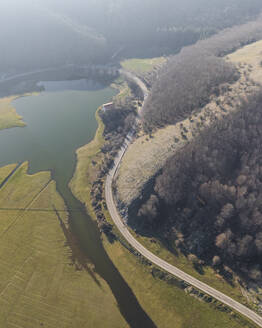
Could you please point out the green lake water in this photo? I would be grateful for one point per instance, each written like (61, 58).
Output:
(59, 121)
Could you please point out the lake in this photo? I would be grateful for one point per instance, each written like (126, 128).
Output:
(60, 120)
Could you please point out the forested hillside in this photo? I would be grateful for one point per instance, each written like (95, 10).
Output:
(189, 80)
(208, 199)
(55, 32)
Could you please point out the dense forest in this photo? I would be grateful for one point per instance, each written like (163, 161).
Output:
(208, 199)
(57, 32)
(189, 79)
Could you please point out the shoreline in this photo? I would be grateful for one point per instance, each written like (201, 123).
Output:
(90, 151)
(13, 119)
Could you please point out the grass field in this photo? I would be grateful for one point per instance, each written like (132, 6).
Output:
(8, 116)
(168, 306)
(140, 66)
(44, 279)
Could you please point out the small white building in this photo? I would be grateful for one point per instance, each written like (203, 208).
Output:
(107, 106)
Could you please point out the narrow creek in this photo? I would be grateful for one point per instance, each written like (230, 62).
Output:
(59, 121)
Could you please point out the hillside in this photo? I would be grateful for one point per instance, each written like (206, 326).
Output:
(210, 192)
(148, 153)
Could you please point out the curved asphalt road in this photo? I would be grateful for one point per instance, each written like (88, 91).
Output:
(145, 252)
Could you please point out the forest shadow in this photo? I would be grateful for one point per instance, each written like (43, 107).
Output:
(78, 258)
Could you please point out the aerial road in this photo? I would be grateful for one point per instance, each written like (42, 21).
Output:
(149, 255)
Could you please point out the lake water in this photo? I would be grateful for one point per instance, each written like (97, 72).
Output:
(59, 121)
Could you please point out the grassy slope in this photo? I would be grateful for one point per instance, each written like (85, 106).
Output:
(39, 284)
(139, 66)
(168, 306)
(8, 116)
(251, 55)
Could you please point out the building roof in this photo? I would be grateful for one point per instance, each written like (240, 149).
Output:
(108, 104)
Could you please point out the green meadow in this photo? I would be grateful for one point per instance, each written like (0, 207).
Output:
(45, 280)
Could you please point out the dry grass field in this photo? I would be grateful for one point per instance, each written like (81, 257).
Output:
(44, 280)
(250, 55)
